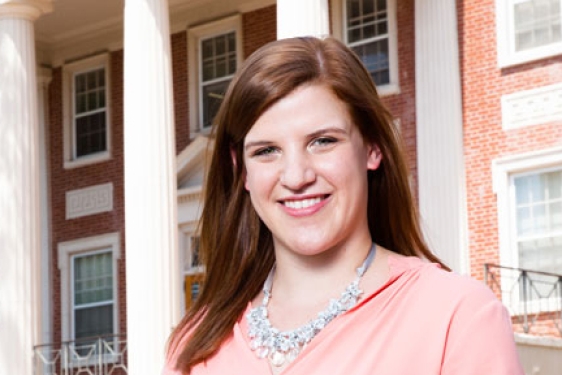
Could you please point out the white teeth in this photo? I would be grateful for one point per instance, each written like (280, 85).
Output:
(305, 203)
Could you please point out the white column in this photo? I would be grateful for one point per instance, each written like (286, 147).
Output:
(43, 79)
(153, 294)
(442, 192)
(20, 257)
(302, 18)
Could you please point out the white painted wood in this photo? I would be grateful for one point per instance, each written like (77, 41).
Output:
(152, 261)
(43, 80)
(20, 245)
(441, 171)
(302, 18)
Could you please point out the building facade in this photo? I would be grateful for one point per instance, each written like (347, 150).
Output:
(105, 113)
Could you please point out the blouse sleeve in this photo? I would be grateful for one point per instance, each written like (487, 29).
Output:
(480, 339)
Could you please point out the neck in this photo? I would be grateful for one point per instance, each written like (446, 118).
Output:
(302, 279)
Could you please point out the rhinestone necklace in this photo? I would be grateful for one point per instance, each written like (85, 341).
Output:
(285, 346)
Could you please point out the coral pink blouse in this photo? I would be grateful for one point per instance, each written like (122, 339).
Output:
(422, 321)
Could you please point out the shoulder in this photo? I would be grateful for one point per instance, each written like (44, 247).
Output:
(440, 287)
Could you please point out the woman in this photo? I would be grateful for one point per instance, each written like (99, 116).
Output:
(315, 262)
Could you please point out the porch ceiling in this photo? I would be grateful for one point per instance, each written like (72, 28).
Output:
(80, 27)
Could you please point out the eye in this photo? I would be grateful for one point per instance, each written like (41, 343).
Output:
(264, 151)
(323, 141)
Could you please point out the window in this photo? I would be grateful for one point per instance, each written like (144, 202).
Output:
(529, 199)
(215, 54)
(89, 287)
(90, 112)
(86, 102)
(92, 281)
(538, 217)
(528, 30)
(369, 29)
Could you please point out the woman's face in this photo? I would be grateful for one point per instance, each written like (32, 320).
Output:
(306, 173)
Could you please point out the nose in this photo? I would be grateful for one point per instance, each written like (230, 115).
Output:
(297, 171)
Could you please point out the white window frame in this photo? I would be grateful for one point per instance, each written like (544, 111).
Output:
(503, 171)
(507, 56)
(339, 21)
(85, 246)
(69, 144)
(194, 35)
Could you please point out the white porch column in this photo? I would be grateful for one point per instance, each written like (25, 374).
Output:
(20, 257)
(150, 186)
(43, 79)
(302, 18)
(442, 195)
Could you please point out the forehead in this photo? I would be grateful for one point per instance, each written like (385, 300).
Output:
(305, 110)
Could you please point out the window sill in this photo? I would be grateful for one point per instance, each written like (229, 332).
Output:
(387, 90)
(196, 132)
(506, 60)
(87, 160)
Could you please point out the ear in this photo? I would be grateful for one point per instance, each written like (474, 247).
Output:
(374, 157)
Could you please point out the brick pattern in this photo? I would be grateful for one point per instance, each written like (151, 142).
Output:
(181, 91)
(483, 84)
(63, 180)
(258, 28)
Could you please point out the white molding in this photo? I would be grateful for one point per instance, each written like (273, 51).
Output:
(502, 169)
(505, 42)
(338, 20)
(27, 9)
(89, 201)
(80, 246)
(69, 70)
(302, 18)
(194, 34)
(532, 107)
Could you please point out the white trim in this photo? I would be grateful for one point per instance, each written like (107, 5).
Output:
(69, 70)
(539, 105)
(82, 246)
(502, 170)
(339, 30)
(505, 40)
(194, 35)
(89, 201)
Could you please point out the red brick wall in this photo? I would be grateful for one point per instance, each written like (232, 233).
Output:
(63, 180)
(483, 84)
(181, 91)
(258, 28)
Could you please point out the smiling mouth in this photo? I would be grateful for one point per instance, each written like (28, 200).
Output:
(303, 203)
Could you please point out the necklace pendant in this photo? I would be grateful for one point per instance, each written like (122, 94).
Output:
(277, 358)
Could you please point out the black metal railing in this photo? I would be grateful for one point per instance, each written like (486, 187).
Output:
(102, 355)
(533, 298)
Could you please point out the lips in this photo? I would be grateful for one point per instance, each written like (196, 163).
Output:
(304, 205)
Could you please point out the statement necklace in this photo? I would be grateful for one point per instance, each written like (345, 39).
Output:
(280, 347)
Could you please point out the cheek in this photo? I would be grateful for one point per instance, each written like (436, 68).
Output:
(259, 180)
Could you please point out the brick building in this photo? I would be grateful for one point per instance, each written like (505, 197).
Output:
(117, 100)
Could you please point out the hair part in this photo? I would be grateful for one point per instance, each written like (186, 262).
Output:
(236, 247)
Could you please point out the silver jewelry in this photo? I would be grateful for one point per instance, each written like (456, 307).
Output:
(280, 347)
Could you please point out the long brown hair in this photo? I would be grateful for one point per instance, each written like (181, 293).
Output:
(237, 248)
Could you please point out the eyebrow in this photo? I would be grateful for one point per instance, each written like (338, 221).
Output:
(320, 132)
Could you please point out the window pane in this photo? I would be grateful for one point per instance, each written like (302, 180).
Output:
(88, 271)
(93, 321)
(536, 23)
(216, 57)
(375, 57)
(212, 98)
(90, 134)
(367, 34)
(539, 220)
